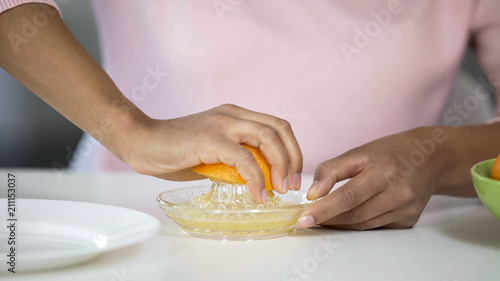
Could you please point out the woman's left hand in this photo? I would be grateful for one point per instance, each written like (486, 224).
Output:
(392, 179)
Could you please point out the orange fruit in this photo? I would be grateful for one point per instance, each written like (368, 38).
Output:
(495, 172)
(225, 173)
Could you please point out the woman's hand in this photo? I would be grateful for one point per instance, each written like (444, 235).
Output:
(57, 68)
(169, 148)
(393, 178)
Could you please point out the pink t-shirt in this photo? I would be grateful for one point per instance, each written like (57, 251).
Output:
(9, 4)
(342, 72)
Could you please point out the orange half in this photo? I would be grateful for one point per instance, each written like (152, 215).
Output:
(495, 172)
(225, 173)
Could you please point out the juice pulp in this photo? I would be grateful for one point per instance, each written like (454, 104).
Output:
(232, 197)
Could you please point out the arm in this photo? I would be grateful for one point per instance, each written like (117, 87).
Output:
(52, 64)
(394, 177)
(48, 60)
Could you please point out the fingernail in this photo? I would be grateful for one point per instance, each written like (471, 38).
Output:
(296, 182)
(285, 185)
(264, 197)
(313, 190)
(305, 222)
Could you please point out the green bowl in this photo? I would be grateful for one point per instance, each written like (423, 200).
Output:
(487, 188)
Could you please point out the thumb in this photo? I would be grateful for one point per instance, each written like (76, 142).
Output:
(332, 171)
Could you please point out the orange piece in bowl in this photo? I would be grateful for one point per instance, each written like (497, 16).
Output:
(225, 173)
(495, 171)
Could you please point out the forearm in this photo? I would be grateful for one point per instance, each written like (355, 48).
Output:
(461, 149)
(54, 66)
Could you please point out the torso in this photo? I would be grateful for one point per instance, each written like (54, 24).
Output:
(304, 61)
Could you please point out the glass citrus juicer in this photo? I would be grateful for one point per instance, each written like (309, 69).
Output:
(226, 210)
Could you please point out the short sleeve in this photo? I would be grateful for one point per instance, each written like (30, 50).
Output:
(9, 4)
(486, 41)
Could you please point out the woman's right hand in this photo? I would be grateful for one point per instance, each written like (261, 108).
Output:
(55, 66)
(169, 148)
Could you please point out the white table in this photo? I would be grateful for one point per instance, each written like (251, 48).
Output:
(456, 239)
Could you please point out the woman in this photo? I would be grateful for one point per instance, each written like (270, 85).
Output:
(366, 77)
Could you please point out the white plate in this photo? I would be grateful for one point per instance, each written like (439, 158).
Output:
(54, 233)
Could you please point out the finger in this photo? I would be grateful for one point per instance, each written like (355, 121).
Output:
(343, 199)
(235, 155)
(268, 141)
(295, 163)
(377, 205)
(287, 137)
(275, 152)
(332, 171)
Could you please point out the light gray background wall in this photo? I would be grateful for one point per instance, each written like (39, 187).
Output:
(34, 135)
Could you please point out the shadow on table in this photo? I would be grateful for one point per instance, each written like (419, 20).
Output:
(478, 227)
(106, 262)
(318, 231)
